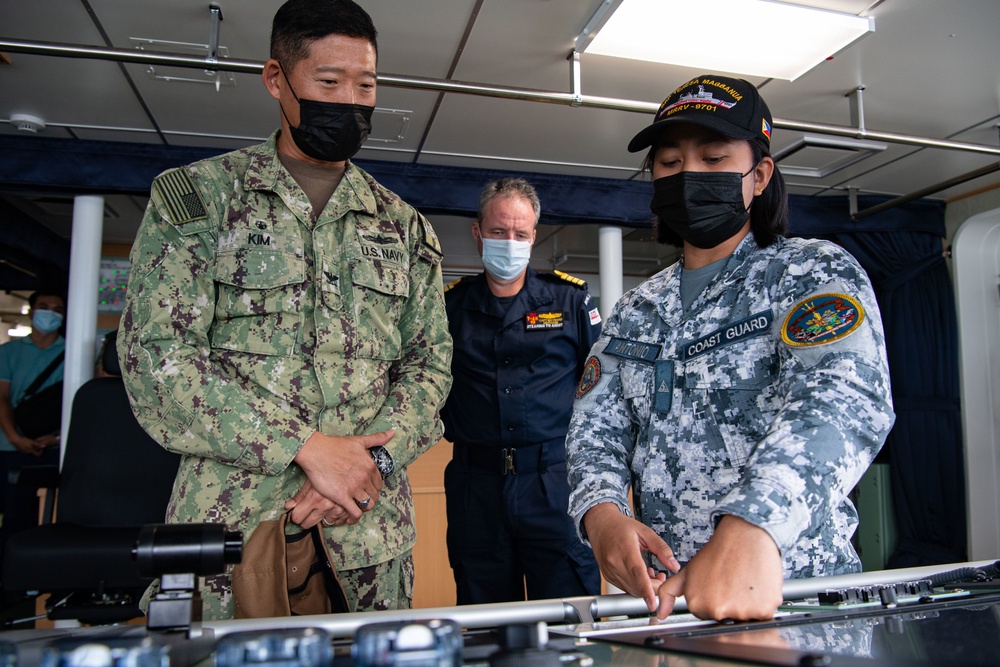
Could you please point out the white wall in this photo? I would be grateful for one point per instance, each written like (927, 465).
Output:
(976, 266)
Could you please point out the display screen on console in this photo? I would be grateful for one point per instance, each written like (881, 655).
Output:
(959, 633)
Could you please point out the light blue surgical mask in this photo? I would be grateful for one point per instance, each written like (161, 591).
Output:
(46, 321)
(505, 260)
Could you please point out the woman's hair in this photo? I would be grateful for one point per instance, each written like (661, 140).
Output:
(298, 23)
(768, 210)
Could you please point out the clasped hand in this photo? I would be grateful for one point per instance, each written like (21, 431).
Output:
(341, 476)
(34, 446)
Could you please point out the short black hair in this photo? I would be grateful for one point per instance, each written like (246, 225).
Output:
(298, 23)
(46, 291)
(768, 211)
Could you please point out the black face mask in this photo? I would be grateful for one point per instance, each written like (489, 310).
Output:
(703, 208)
(330, 131)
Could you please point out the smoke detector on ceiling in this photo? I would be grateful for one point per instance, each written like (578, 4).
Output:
(27, 123)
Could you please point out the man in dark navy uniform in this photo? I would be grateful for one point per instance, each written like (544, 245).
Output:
(520, 342)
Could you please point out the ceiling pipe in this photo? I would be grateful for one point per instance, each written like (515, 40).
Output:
(929, 190)
(130, 56)
(506, 92)
(17, 267)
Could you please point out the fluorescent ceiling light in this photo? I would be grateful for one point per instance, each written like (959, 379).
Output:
(746, 37)
(832, 153)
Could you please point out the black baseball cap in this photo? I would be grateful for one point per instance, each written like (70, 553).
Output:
(730, 106)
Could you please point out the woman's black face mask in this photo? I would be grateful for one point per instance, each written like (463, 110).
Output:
(329, 131)
(703, 208)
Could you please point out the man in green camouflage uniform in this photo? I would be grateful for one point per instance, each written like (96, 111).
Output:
(285, 326)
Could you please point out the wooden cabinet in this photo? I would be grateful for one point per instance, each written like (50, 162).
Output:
(434, 585)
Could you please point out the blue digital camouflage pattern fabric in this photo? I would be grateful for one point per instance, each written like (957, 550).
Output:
(767, 399)
(248, 326)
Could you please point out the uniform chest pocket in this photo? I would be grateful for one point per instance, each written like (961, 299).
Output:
(738, 386)
(637, 389)
(380, 292)
(258, 301)
(749, 364)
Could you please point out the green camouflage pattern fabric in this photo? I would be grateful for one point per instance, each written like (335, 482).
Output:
(720, 409)
(381, 587)
(248, 326)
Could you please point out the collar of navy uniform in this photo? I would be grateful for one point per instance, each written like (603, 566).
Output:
(539, 292)
(747, 247)
(265, 169)
(662, 289)
(357, 179)
(535, 290)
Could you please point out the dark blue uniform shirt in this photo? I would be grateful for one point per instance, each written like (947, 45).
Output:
(515, 373)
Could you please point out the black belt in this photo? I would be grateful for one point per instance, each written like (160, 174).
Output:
(511, 460)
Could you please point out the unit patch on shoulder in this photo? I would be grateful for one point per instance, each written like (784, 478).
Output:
(822, 318)
(181, 200)
(591, 376)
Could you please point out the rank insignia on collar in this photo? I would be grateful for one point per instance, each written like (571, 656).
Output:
(822, 318)
(591, 376)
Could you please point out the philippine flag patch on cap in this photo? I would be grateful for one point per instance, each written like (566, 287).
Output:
(765, 128)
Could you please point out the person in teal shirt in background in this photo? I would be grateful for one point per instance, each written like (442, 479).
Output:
(21, 361)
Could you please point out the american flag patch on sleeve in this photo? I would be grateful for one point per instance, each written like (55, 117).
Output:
(181, 200)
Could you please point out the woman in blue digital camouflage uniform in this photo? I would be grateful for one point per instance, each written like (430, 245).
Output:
(741, 392)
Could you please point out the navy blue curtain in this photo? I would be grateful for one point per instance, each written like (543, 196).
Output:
(80, 167)
(32, 257)
(50, 165)
(901, 250)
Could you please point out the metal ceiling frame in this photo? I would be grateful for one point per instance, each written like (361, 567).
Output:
(574, 98)
(855, 149)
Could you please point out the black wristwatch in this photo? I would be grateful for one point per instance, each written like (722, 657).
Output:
(383, 461)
